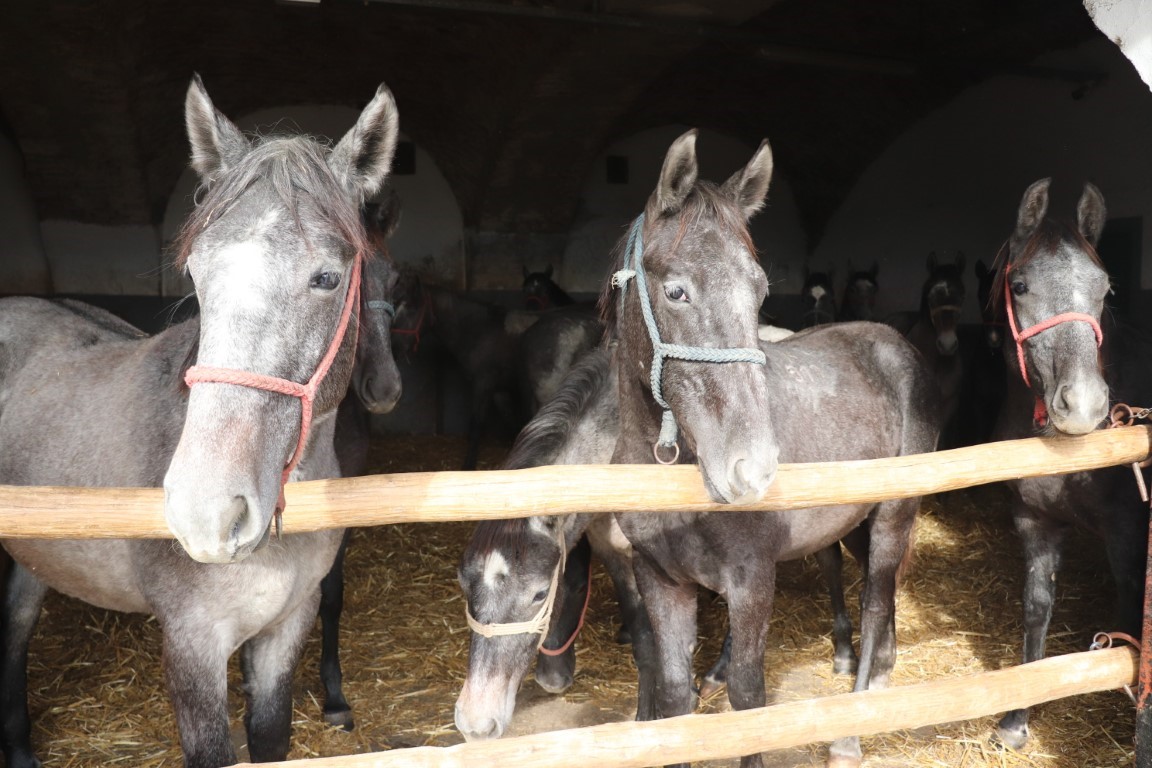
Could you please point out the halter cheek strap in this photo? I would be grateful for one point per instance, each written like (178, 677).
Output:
(634, 268)
(1039, 410)
(205, 374)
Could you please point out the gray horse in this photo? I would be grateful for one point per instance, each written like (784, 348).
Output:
(1063, 367)
(736, 420)
(273, 250)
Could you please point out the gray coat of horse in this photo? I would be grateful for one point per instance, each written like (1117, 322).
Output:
(271, 250)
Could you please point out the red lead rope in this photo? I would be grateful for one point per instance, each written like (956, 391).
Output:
(579, 624)
(202, 374)
(1039, 411)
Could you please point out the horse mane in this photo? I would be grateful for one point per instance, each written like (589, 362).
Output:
(296, 168)
(1047, 237)
(705, 200)
(537, 445)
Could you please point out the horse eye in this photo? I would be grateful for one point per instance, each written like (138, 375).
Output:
(1019, 287)
(325, 281)
(540, 596)
(675, 293)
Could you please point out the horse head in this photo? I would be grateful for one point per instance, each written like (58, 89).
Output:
(860, 293)
(688, 328)
(375, 377)
(541, 291)
(275, 250)
(511, 573)
(818, 299)
(1051, 285)
(942, 300)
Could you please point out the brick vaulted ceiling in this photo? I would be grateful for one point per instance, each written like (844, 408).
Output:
(513, 98)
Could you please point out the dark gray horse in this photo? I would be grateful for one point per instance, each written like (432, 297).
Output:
(736, 420)
(273, 249)
(541, 292)
(1063, 369)
(934, 330)
(859, 302)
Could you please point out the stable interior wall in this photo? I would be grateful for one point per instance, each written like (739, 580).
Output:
(953, 181)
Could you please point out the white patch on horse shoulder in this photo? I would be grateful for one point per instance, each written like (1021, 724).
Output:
(244, 269)
(494, 567)
(818, 292)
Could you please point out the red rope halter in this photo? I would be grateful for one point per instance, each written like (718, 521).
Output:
(1040, 411)
(579, 624)
(204, 374)
(414, 331)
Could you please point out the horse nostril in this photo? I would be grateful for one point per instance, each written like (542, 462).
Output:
(238, 510)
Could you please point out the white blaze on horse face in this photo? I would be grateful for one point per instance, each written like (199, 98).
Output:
(495, 567)
(244, 271)
(817, 292)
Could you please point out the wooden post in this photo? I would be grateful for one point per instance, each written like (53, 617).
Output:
(731, 734)
(39, 512)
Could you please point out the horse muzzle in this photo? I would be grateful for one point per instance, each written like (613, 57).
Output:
(1079, 408)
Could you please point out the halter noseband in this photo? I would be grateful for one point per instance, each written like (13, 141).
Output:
(1039, 410)
(634, 268)
(204, 374)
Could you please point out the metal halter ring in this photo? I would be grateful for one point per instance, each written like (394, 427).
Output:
(666, 462)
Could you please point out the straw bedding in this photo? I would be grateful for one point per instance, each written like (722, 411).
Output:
(97, 694)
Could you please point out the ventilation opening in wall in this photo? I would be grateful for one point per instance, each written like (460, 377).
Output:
(404, 161)
(616, 169)
(1120, 249)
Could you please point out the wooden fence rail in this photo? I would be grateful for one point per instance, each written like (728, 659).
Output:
(54, 512)
(731, 734)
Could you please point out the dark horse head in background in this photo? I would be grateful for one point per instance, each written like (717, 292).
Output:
(941, 301)
(542, 292)
(818, 298)
(860, 294)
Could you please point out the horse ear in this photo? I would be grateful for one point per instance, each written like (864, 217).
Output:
(1091, 214)
(931, 262)
(217, 144)
(548, 271)
(981, 269)
(676, 176)
(362, 159)
(960, 261)
(749, 187)
(1033, 207)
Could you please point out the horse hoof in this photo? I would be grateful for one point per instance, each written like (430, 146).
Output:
(340, 719)
(843, 761)
(624, 637)
(844, 666)
(1010, 738)
(710, 687)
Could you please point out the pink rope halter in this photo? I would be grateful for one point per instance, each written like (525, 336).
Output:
(205, 374)
(1040, 411)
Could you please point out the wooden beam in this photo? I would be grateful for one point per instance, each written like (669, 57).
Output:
(52, 512)
(732, 734)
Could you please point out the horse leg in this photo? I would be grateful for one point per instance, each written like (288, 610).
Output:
(672, 612)
(749, 611)
(717, 677)
(555, 672)
(22, 600)
(196, 673)
(831, 562)
(889, 534)
(1042, 554)
(1127, 558)
(268, 662)
(336, 709)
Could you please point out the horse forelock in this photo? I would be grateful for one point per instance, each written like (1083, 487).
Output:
(705, 201)
(1048, 237)
(296, 170)
(509, 537)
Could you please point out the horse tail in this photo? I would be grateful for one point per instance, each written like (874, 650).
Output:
(547, 433)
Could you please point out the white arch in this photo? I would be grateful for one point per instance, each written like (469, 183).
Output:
(431, 231)
(606, 209)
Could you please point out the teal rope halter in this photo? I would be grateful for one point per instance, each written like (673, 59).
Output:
(634, 268)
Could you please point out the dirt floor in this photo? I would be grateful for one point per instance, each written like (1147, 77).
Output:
(97, 695)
